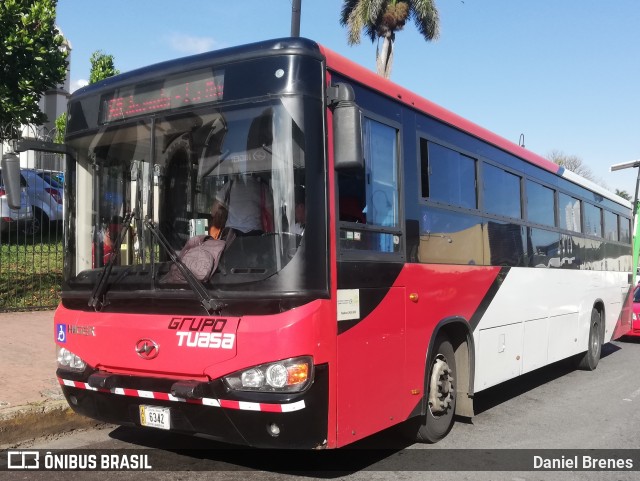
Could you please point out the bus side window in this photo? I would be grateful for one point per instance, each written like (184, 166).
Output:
(370, 195)
(381, 165)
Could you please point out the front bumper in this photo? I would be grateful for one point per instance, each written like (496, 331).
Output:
(233, 417)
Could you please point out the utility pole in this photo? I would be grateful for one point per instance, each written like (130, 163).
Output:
(295, 18)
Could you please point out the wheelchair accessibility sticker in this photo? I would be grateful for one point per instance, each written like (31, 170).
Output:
(61, 333)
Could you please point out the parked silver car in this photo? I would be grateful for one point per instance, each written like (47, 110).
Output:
(16, 219)
(45, 193)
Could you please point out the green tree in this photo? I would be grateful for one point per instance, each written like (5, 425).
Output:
(102, 67)
(32, 60)
(381, 19)
(61, 128)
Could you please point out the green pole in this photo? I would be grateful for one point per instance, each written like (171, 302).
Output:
(636, 240)
(636, 231)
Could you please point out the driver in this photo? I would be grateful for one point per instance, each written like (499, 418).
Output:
(250, 206)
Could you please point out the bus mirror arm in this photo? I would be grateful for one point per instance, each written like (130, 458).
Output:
(348, 152)
(44, 146)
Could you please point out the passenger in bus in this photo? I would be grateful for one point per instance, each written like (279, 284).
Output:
(218, 220)
(109, 238)
(202, 253)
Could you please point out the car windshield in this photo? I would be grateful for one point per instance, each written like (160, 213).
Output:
(636, 295)
(174, 172)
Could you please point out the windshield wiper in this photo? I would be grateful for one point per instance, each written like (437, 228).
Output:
(97, 295)
(211, 305)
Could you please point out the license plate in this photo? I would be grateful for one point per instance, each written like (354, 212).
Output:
(155, 417)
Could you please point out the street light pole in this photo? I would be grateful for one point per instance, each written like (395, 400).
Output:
(295, 17)
(634, 164)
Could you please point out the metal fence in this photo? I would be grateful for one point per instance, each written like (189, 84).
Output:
(31, 252)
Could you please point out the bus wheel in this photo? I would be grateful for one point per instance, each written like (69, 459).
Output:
(441, 401)
(589, 360)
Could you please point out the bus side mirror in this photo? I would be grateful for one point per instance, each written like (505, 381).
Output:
(347, 128)
(11, 176)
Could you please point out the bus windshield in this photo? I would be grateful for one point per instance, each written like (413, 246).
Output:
(175, 171)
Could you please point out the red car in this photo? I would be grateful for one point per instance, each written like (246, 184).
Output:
(635, 327)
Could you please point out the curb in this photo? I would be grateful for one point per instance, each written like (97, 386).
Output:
(21, 423)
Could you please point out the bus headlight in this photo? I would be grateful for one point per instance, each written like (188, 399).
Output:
(68, 360)
(289, 375)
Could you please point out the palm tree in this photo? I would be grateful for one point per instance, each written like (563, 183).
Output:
(382, 18)
(624, 194)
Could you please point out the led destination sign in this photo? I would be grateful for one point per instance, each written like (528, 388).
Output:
(191, 88)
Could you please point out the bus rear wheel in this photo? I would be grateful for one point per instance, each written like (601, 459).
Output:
(441, 392)
(589, 360)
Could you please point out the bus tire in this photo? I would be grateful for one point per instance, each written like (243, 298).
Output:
(589, 360)
(440, 391)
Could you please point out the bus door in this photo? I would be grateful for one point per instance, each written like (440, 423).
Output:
(371, 317)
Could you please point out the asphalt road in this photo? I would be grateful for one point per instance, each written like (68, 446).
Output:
(557, 408)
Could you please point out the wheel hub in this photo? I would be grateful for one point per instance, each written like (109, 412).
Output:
(441, 388)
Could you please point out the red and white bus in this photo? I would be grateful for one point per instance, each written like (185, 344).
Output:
(383, 259)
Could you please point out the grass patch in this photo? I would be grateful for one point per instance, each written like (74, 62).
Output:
(30, 273)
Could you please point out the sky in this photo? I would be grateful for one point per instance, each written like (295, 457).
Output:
(564, 73)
